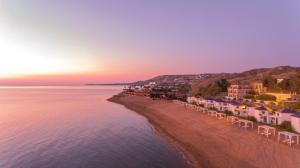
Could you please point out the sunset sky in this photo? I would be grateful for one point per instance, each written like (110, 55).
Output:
(86, 41)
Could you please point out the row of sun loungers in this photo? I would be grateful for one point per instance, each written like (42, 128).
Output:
(265, 130)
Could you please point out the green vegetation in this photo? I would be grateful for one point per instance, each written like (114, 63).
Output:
(213, 89)
(162, 93)
(214, 109)
(270, 83)
(266, 97)
(252, 97)
(251, 118)
(291, 106)
(154, 95)
(201, 105)
(228, 112)
(184, 88)
(287, 85)
(179, 92)
(286, 125)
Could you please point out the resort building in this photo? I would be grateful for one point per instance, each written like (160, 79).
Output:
(238, 91)
(220, 105)
(191, 100)
(295, 121)
(258, 87)
(284, 115)
(260, 113)
(240, 110)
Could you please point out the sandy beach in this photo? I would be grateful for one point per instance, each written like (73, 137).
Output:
(209, 142)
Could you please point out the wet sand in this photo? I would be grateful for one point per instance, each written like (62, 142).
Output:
(209, 142)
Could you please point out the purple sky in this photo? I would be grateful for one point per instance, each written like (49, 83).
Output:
(137, 39)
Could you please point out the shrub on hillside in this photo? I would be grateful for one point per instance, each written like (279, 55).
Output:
(213, 89)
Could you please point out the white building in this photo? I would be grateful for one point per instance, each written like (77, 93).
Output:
(191, 100)
(295, 121)
(260, 113)
(284, 115)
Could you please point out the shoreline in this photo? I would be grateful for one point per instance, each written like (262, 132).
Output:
(187, 155)
(208, 142)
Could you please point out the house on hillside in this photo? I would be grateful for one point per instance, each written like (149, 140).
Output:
(258, 87)
(238, 91)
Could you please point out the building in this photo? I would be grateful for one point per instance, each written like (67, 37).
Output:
(258, 87)
(280, 116)
(260, 113)
(240, 110)
(285, 115)
(192, 100)
(238, 91)
(220, 105)
(279, 80)
(295, 121)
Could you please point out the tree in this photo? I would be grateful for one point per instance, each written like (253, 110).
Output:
(270, 82)
(286, 125)
(285, 85)
(213, 89)
(222, 84)
(184, 88)
(288, 85)
(295, 84)
(293, 106)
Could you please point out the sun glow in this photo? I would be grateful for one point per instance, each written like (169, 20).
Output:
(22, 57)
(17, 59)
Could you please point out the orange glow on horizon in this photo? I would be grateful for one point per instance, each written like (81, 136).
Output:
(83, 78)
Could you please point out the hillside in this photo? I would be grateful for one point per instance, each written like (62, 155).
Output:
(171, 79)
(202, 80)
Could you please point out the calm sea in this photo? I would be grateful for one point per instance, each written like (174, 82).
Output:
(75, 127)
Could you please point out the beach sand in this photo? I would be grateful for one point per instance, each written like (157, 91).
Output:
(209, 142)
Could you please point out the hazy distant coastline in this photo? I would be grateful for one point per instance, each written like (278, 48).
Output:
(107, 84)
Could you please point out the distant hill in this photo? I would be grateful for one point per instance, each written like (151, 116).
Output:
(202, 80)
(171, 79)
